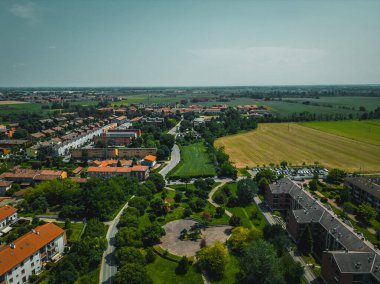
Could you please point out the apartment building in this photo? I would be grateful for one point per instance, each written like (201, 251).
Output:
(28, 176)
(112, 153)
(365, 189)
(8, 216)
(28, 254)
(118, 137)
(141, 172)
(345, 255)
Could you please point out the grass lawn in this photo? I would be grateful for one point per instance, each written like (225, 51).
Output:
(194, 162)
(76, 230)
(294, 143)
(367, 131)
(163, 271)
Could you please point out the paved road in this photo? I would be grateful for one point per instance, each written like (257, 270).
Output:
(108, 266)
(174, 131)
(174, 160)
(309, 275)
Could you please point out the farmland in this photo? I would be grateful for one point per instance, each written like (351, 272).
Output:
(297, 144)
(367, 131)
(194, 162)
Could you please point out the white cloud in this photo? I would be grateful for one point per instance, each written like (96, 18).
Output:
(25, 10)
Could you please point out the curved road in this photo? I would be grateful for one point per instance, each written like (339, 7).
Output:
(108, 266)
(174, 160)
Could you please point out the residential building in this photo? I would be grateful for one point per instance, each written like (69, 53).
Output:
(331, 236)
(112, 153)
(28, 254)
(8, 216)
(5, 186)
(118, 137)
(149, 161)
(365, 189)
(28, 176)
(141, 172)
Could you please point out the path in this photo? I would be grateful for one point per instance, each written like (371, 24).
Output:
(212, 192)
(108, 266)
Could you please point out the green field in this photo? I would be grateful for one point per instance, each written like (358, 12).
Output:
(298, 144)
(367, 131)
(163, 271)
(194, 162)
(29, 107)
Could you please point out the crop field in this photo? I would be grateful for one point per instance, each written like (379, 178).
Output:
(194, 162)
(367, 131)
(297, 144)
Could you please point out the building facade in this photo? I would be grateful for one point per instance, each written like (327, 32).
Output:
(28, 254)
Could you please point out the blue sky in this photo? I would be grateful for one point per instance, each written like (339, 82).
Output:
(188, 43)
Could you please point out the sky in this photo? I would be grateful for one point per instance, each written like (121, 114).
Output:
(188, 43)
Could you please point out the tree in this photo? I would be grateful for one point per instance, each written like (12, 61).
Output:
(151, 234)
(186, 180)
(130, 255)
(132, 273)
(178, 197)
(283, 164)
(366, 212)
(228, 170)
(263, 185)
(235, 221)
(239, 239)
(40, 204)
(293, 270)
(213, 259)
(158, 206)
(150, 256)
(220, 198)
(306, 241)
(183, 266)
(163, 152)
(259, 264)
(168, 140)
(139, 203)
(158, 180)
(268, 174)
(219, 212)
(277, 236)
(336, 176)
(246, 190)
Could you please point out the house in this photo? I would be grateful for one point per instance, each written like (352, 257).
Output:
(345, 255)
(4, 186)
(365, 189)
(119, 137)
(8, 216)
(28, 176)
(29, 254)
(149, 161)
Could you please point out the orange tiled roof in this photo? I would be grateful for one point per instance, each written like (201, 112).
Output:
(6, 211)
(27, 245)
(77, 170)
(150, 158)
(139, 168)
(109, 170)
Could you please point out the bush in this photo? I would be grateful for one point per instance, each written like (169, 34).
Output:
(150, 256)
(220, 198)
(235, 221)
(183, 266)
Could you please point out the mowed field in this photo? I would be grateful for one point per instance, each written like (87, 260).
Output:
(194, 162)
(367, 131)
(295, 143)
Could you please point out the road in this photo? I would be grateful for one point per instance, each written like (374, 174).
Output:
(309, 275)
(174, 160)
(174, 131)
(108, 266)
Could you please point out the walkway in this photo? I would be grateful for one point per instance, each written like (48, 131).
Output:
(108, 266)
(212, 192)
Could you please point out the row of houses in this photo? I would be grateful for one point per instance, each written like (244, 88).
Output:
(346, 257)
(112, 153)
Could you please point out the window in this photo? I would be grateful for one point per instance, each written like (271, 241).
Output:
(10, 280)
(32, 264)
(23, 271)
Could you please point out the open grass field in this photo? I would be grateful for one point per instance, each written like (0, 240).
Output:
(163, 271)
(24, 107)
(194, 162)
(294, 143)
(367, 131)
(11, 102)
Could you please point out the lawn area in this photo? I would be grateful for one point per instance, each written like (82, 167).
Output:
(195, 162)
(163, 271)
(367, 131)
(76, 230)
(294, 143)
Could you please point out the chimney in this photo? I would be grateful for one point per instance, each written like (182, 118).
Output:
(12, 246)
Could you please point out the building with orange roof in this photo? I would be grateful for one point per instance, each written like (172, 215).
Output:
(28, 254)
(8, 216)
(150, 161)
(29, 176)
(141, 172)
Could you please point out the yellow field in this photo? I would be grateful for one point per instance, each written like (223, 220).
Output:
(11, 102)
(276, 142)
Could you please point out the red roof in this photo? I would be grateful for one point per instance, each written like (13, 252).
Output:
(150, 158)
(6, 211)
(27, 245)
